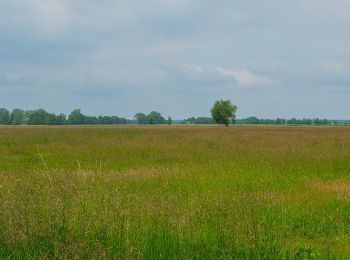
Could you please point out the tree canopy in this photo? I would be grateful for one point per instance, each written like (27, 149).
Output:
(17, 117)
(4, 116)
(153, 118)
(76, 117)
(38, 117)
(223, 112)
(141, 119)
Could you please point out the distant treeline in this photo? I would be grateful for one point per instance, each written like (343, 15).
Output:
(278, 121)
(198, 120)
(292, 121)
(42, 117)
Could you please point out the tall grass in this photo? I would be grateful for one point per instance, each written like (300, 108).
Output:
(175, 192)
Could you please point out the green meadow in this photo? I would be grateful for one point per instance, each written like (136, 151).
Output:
(178, 192)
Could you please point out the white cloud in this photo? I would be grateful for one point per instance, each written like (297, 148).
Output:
(245, 77)
(193, 68)
(129, 47)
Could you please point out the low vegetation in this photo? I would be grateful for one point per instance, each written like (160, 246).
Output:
(174, 192)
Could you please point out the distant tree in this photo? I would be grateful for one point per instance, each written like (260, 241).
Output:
(204, 120)
(292, 121)
(76, 117)
(318, 121)
(39, 117)
(17, 117)
(223, 112)
(191, 120)
(51, 119)
(267, 121)
(169, 121)
(280, 121)
(4, 116)
(325, 122)
(27, 115)
(306, 121)
(61, 119)
(57, 119)
(253, 120)
(155, 118)
(90, 120)
(198, 120)
(141, 119)
(111, 120)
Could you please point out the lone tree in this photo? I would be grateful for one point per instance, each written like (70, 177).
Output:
(223, 112)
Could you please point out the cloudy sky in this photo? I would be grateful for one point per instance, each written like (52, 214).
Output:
(273, 58)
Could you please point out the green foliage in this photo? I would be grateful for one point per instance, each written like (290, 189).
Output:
(4, 116)
(112, 120)
(169, 121)
(57, 119)
(260, 121)
(42, 117)
(280, 121)
(39, 117)
(153, 118)
(17, 117)
(76, 117)
(223, 112)
(141, 119)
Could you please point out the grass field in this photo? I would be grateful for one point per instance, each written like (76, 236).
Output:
(175, 192)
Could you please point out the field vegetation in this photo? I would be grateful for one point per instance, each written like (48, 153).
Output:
(181, 192)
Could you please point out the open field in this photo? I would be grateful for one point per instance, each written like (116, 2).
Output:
(175, 192)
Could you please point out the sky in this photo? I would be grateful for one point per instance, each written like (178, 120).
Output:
(272, 58)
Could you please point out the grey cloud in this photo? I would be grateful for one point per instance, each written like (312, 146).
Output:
(131, 55)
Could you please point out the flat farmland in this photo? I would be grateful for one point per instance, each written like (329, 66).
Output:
(183, 192)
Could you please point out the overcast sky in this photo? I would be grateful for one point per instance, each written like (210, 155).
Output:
(273, 58)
